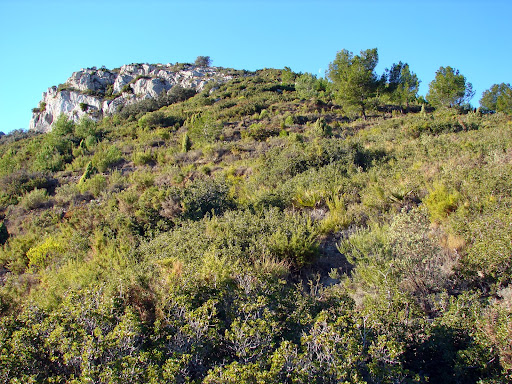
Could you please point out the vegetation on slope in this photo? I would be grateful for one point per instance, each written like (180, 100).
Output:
(260, 232)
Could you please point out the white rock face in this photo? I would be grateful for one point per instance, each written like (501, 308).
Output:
(71, 103)
(150, 88)
(98, 93)
(91, 80)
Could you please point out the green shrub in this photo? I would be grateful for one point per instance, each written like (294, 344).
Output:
(321, 129)
(264, 114)
(66, 194)
(95, 185)
(205, 196)
(203, 128)
(241, 237)
(186, 144)
(154, 119)
(34, 199)
(308, 86)
(289, 121)
(42, 255)
(259, 132)
(203, 61)
(104, 158)
(48, 158)
(142, 179)
(18, 183)
(441, 201)
(86, 127)
(298, 246)
(13, 254)
(89, 170)
(490, 246)
(62, 126)
(142, 157)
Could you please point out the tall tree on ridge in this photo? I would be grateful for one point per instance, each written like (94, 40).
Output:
(354, 78)
(403, 84)
(498, 98)
(449, 89)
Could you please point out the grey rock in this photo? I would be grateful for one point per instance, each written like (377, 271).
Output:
(99, 93)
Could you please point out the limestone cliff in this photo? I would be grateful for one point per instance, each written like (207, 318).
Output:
(100, 92)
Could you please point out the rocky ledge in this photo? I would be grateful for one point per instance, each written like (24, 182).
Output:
(101, 92)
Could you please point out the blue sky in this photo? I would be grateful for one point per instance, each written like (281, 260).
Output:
(43, 42)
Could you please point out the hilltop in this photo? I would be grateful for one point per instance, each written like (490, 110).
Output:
(257, 227)
(97, 93)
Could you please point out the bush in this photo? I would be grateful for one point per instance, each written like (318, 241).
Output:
(142, 157)
(105, 158)
(205, 196)
(42, 255)
(95, 185)
(298, 246)
(155, 119)
(265, 114)
(18, 183)
(203, 128)
(48, 158)
(441, 201)
(89, 170)
(4, 234)
(488, 256)
(308, 86)
(86, 127)
(139, 108)
(289, 121)
(321, 129)
(186, 144)
(62, 126)
(259, 132)
(240, 237)
(178, 93)
(69, 193)
(13, 254)
(34, 199)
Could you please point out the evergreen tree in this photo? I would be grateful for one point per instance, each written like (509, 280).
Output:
(403, 84)
(354, 78)
(497, 99)
(449, 89)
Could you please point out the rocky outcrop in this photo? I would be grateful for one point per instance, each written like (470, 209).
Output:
(101, 92)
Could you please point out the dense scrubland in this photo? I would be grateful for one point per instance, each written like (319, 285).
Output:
(277, 228)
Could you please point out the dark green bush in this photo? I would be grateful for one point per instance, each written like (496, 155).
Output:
(4, 234)
(205, 196)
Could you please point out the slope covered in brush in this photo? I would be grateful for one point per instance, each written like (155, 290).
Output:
(259, 231)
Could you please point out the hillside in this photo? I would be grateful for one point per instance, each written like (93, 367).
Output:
(257, 230)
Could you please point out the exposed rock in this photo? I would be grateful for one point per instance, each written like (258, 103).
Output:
(71, 103)
(91, 80)
(150, 88)
(98, 93)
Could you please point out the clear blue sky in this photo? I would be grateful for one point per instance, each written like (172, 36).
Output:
(43, 42)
